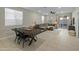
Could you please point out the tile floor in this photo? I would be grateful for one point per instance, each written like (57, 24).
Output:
(57, 40)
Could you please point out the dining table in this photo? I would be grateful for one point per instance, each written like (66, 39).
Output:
(30, 31)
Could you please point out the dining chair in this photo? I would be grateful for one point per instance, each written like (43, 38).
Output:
(24, 37)
(17, 35)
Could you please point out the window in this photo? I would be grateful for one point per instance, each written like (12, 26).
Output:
(13, 17)
(42, 19)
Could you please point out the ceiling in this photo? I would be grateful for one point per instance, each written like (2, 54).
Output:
(56, 10)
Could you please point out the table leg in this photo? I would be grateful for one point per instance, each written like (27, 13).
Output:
(31, 42)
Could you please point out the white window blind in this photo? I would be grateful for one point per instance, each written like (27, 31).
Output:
(13, 17)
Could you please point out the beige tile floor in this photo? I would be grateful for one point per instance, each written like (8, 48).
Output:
(57, 40)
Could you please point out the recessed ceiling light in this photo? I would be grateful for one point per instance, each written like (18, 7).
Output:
(68, 17)
(61, 18)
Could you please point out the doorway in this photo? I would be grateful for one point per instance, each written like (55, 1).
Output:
(64, 22)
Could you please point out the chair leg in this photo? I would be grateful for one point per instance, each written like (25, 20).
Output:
(15, 39)
(18, 40)
(24, 40)
(36, 37)
(23, 44)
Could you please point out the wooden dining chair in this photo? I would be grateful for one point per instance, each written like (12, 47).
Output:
(17, 35)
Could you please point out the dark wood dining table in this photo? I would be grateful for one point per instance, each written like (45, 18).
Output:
(30, 31)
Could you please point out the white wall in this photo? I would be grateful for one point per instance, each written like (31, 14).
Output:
(46, 19)
(75, 14)
(28, 18)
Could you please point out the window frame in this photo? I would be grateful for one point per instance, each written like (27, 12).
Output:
(16, 14)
